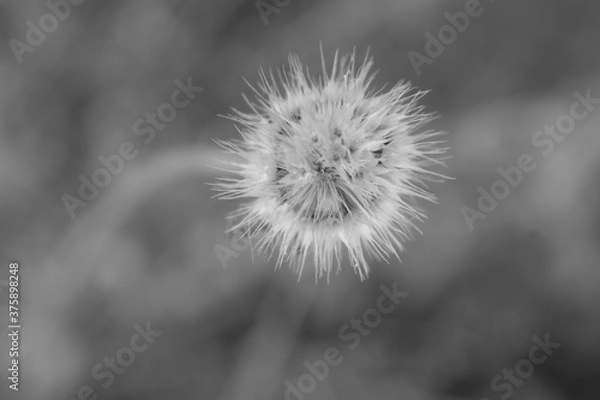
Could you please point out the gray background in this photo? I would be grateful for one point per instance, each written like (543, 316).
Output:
(144, 249)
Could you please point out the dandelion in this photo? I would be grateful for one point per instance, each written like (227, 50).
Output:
(330, 165)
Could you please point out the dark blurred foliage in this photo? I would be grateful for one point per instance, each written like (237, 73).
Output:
(144, 249)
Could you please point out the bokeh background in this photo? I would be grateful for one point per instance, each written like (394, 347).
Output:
(144, 248)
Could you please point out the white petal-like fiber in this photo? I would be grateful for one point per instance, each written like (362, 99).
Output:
(331, 164)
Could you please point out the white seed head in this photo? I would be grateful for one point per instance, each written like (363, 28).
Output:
(329, 165)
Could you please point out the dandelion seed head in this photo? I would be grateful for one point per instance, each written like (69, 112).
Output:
(331, 166)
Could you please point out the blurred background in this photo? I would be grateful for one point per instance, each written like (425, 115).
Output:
(145, 252)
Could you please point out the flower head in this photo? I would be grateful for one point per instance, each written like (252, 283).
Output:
(330, 164)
